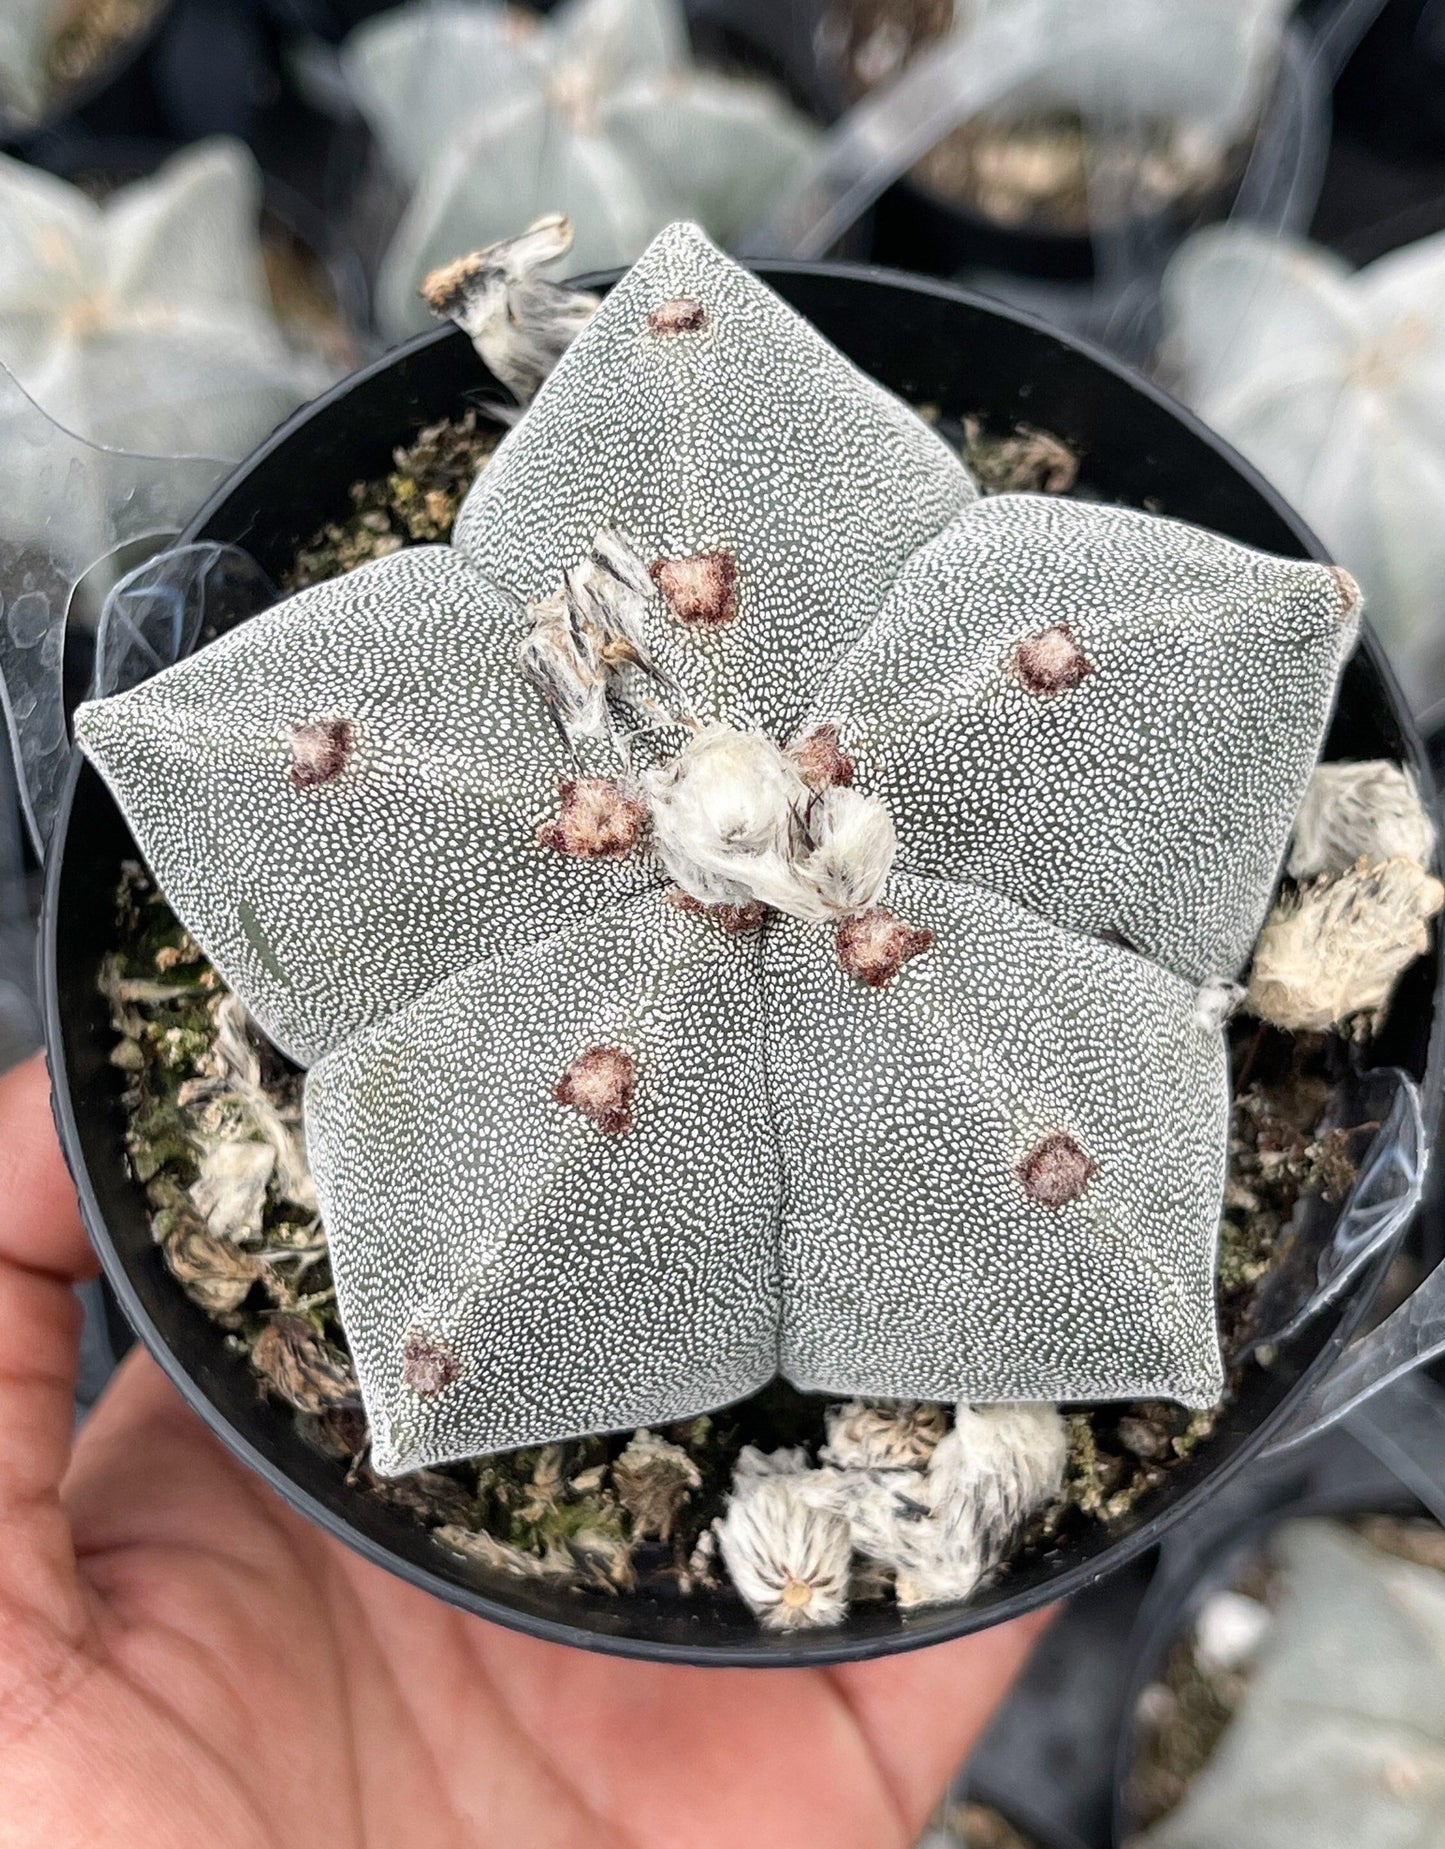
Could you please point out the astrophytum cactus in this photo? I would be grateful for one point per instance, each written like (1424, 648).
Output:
(748, 904)
(490, 115)
(142, 322)
(1332, 382)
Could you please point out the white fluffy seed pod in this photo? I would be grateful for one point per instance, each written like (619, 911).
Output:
(1370, 810)
(944, 1529)
(788, 1558)
(886, 1435)
(735, 823)
(1334, 949)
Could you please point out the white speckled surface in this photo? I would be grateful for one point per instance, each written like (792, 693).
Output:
(808, 1172)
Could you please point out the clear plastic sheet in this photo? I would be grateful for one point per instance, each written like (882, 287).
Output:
(1214, 68)
(91, 513)
(159, 611)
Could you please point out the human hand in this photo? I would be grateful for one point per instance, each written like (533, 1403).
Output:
(184, 1662)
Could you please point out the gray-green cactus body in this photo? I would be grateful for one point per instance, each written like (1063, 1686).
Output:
(353, 786)
(1126, 760)
(826, 982)
(730, 442)
(1043, 1114)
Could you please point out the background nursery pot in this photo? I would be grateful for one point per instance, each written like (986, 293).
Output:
(931, 344)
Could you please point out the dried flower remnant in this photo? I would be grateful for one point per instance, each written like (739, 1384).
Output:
(701, 590)
(585, 648)
(1051, 662)
(1057, 1170)
(883, 1434)
(520, 323)
(1370, 810)
(875, 944)
(1331, 952)
(320, 751)
(598, 820)
(601, 1084)
(306, 1370)
(1027, 461)
(218, 1274)
(787, 1558)
(654, 1479)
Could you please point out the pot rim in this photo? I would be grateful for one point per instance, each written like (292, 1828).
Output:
(819, 1648)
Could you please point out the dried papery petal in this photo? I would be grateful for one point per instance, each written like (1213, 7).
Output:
(1353, 810)
(601, 1084)
(320, 751)
(821, 761)
(702, 590)
(218, 1274)
(874, 945)
(1334, 949)
(1057, 1170)
(1051, 662)
(654, 1479)
(303, 1367)
(428, 1364)
(787, 1558)
(586, 645)
(884, 1434)
(683, 314)
(519, 323)
(598, 820)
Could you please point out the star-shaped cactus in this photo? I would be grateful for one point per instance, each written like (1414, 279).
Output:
(1330, 380)
(748, 904)
(489, 115)
(143, 323)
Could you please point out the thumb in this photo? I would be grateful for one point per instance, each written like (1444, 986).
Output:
(43, 1253)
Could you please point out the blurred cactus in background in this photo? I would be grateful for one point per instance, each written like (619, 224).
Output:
(1332, 382)
(490, 116)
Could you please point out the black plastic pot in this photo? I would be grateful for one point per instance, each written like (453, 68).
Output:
(929, 343)
(197, 67)
(1347, 1487)
(915, 227)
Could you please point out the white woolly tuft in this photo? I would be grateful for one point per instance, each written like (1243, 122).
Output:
(1216, 1001)
(735, 823)
(1334, 949)
(888, 1435)
(1369, 810)
(787, 1557)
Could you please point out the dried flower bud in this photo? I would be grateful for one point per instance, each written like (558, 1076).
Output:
(788, 1559)
(303, 1367)
(1334, 949)
(520, 324)
(216, 1273)
(653, 1480)
(1370, 810)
